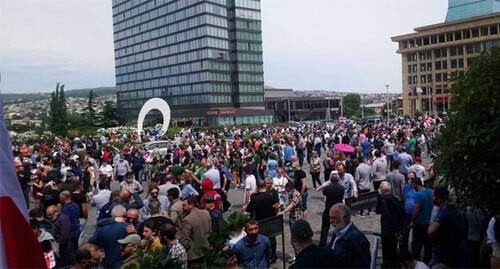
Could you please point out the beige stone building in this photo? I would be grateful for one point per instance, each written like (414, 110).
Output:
(434, 54)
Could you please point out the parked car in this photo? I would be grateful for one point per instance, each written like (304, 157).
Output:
(163, 145)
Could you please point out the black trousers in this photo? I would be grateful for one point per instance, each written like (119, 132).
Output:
(315, 178)
(223, 197)
(390, 252)
(325, 227)
(419, 240)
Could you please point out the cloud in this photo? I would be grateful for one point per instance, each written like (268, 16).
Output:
(313, 44)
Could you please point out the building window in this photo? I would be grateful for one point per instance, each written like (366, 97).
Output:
(458, 35)
(454, 63)
(423, 79)
(453, 51)
(493, 29)
(449, 37)
(484, 31)
(475, 32)
(467, 34)
(437, 53)
(438, 77)
(433, 39)
(441, 38)
(438, 65)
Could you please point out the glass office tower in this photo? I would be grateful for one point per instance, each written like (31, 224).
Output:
(204, 57)
(463, 9)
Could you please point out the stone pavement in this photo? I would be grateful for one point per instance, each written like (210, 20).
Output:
(368, 224)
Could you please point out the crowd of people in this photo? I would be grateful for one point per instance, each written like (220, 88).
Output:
(185, 190)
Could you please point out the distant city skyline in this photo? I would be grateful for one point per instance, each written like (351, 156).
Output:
(325, 45)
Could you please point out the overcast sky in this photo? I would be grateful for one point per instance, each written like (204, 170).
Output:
(338, 45)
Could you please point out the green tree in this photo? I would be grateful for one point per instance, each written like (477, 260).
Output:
(76, 120)
(90, 111)
(109, 115)
(469, 148)
(352, 105)
(58, 122)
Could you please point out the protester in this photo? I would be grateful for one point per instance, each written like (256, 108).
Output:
(174, 250)
(445, 230)
(350, 247)
(196, 223)
(254, 250)
(391, 221)
(107, 237)
(129, 247)
(309, 255)
(334, 194)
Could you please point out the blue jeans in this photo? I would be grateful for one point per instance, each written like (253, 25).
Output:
(304, 200)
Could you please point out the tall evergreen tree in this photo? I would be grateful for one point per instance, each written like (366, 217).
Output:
(90, 111)
(109, 115)
(58, 122)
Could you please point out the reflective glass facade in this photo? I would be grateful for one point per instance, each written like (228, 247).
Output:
(462, 9)
(196, 54)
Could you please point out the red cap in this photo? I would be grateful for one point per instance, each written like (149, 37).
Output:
(418, 159)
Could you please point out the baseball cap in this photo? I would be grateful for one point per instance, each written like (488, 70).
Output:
(69, 174)
(301, 229)
(133, 239)
(418, 159)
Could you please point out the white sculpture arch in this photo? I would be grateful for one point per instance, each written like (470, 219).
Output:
(154, 103)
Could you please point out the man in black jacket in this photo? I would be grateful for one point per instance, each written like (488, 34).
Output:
(309, 255)
(391, 220)
(334, 193)
(350, 247)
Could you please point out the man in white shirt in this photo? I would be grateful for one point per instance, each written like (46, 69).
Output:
(106, 169)
(250, 187)
(121, 168)
(102, 197)
(212, 173)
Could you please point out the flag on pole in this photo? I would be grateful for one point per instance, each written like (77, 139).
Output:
(419, 90)
(19, 248)
(410, 91)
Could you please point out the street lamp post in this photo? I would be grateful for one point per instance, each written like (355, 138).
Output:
(387, 101)
(288, 105)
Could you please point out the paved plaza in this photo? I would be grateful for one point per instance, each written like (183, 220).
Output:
(367, 224)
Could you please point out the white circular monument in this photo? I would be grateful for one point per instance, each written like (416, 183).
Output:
(154, 103)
